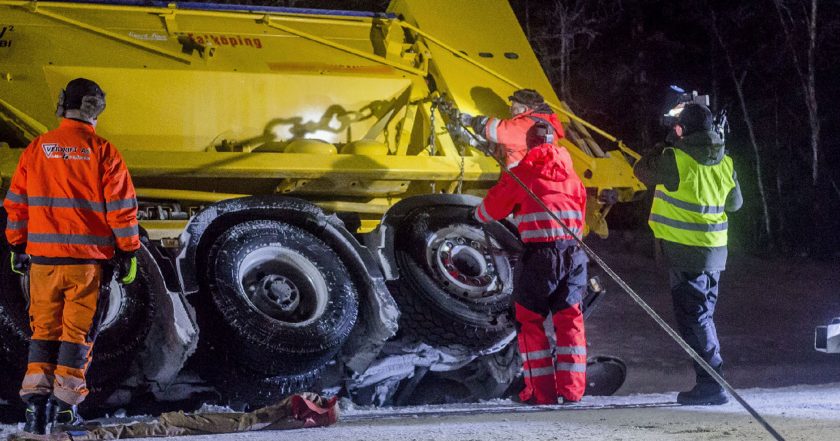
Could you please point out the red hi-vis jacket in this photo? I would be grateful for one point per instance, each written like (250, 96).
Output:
(511, 133)
(71, 196)
(547, 171)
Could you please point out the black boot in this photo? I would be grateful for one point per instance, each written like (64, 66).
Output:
(66, 417)
(37, 415)
(703, 394)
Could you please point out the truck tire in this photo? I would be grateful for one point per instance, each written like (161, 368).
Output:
(123, 333)
(246, 391)
(285, 300)
(451, 290)
(14, 328)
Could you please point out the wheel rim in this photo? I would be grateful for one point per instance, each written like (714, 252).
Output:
(115, 302)
(283, 285)
(463, 263)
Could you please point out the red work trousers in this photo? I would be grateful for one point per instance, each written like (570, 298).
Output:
(62, 312)
(550, 278)
(552, 374)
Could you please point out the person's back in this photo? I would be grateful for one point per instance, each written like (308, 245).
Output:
(547, 171)
(550, 276)
(74, 196)
(508, 135)
(70, 206)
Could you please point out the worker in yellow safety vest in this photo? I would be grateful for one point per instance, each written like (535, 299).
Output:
(695, 186)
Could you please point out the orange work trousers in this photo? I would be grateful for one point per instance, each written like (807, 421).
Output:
(62, 314)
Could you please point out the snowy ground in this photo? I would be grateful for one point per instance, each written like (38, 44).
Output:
(766, 315)
(797, 413)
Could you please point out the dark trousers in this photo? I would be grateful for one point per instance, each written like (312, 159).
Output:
(695, 295)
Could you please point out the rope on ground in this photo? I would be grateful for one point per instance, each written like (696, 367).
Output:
(639, 301)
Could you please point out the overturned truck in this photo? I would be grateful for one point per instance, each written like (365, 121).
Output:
(303, 201)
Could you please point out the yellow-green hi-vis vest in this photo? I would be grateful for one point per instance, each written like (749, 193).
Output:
(693, 215)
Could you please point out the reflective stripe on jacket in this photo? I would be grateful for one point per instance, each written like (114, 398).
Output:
(547, 171)
(511, 133)
(694, 214)
(72, 196)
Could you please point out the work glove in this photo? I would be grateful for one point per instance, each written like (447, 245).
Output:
(19, 259)
(471, 217)
(125, 263)
(466, 119)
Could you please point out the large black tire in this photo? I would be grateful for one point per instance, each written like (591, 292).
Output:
(116, 346)
(255, 332)
(121, 341)
(14, 328)
(247, 391)
(433, 308)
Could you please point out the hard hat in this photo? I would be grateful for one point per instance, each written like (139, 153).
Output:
(83, 95)
(695, 118)
(528, 97)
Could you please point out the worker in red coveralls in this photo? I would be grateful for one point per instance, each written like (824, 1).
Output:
(550, 277)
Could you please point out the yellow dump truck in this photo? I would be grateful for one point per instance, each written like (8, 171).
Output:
(302, 198)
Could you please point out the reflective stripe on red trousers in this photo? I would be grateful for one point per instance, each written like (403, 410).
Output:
(550, 374)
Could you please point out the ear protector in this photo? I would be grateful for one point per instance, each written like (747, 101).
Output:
(59, 109)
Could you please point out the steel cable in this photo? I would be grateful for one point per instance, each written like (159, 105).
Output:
(638, 299)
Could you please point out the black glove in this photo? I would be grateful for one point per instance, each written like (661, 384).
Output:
(19, 258)
(471, 218)
(125, 266)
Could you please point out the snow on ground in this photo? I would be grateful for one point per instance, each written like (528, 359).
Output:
(797, 413)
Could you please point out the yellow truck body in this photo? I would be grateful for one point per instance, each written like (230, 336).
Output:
(214, 107)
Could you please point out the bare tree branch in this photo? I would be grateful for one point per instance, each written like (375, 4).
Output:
(739, 88)
(807, 76)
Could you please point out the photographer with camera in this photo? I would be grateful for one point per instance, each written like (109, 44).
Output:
(695, 185)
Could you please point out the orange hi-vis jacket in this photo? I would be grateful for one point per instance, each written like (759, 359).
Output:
(72, 197)
(512, 133)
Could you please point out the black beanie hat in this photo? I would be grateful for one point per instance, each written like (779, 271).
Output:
(695, 118)
(83, 95)
(78, 89)
(528, 97)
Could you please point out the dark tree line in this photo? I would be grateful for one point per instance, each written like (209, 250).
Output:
(771, 63)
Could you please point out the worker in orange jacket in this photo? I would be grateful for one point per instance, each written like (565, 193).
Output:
(72, 211)
(527, 108)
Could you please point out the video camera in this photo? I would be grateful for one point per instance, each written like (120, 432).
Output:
(677, 102)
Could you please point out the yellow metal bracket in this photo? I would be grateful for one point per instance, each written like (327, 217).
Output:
(39, 9)
(169, 22)
(270, 22)
(481, 66)
(20, 120)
